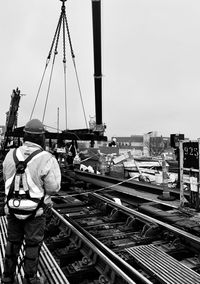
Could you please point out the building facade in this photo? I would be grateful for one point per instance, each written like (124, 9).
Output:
(149, 144)
(133, 143)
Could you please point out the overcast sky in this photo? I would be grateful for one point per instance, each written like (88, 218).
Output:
(151, 64)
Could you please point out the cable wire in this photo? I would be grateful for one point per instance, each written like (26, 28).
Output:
(47, 62)
(64, 66)
(55, 53)
(76, 73)
(62, 22)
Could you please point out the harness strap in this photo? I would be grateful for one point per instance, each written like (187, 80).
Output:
(28, 158)
(12, 187)
(26, 212)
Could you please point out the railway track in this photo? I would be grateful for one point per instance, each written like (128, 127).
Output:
(92, 239)
(157, 250)
(143, 197)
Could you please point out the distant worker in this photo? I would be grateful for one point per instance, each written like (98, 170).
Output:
(27, 200)
(71, 153)
(113, 143)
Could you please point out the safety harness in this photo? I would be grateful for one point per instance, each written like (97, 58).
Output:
(19, 200)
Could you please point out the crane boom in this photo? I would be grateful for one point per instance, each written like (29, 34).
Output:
(11, 119)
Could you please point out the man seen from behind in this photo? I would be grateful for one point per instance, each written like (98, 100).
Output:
(43, 178)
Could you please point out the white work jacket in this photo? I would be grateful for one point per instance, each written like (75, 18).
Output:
(44, 170)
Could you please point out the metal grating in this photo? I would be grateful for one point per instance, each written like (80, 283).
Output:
(47, 264)
(164, 267)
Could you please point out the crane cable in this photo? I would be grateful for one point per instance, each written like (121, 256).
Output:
(62, 20)
(65, 69)
(51, 73)
(46, 65)
(76, 72)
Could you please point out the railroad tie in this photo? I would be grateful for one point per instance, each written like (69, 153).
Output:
(166, 269)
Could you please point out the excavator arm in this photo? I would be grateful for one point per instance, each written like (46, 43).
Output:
(11, 117)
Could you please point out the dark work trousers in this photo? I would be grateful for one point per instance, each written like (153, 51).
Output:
(32, 231)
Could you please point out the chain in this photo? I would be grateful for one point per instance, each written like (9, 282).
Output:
(56, 39)
(62, 22)
(69, 37)
(74, 63)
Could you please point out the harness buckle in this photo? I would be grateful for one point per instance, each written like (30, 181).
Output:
(16, 202)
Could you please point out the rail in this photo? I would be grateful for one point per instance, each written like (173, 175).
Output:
(47, 264)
